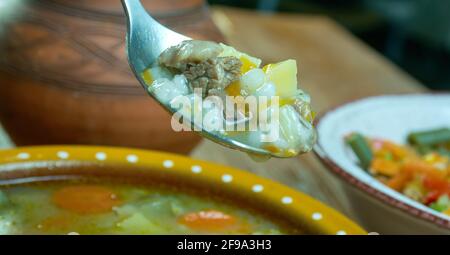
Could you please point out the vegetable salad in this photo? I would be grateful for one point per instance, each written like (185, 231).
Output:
(419, 170)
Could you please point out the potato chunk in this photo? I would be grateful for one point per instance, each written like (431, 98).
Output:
(284, 76)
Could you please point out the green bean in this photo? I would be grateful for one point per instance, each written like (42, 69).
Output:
(422, 150)
(361, 148)
(430, 137)
(443, 151)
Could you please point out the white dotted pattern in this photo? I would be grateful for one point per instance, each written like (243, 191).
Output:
(196, 169)
(257, 188)
(63, 154)
(341, 233)
(23, 155)
(168, 163)
(316, 216)
(132, 158)
(287, 200)
(227, 178)
(100, 156)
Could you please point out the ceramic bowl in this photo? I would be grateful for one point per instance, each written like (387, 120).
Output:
(377, 207)
(254, 191)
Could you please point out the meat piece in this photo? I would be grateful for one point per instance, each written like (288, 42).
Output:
(199, 62)
(191, 51)
(216, 73)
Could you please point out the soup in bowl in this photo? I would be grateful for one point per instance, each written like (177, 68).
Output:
(101, 190)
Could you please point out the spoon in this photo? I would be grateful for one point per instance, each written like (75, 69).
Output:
(146, 40)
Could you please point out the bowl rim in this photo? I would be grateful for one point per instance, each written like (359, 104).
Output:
(292, 202)
(367, 189)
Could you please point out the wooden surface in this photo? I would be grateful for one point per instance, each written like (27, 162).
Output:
(335, 68)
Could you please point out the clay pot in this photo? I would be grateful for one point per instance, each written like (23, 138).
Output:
(64, 78)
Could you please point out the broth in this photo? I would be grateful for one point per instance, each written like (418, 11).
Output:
(90, 206)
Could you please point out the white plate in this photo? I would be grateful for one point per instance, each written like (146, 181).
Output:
(389, 117)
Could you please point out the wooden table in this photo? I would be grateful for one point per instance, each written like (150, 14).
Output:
(335, 67)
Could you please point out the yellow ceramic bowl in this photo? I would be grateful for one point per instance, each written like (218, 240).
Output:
(173, 169)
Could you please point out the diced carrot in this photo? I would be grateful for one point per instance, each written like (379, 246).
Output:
(419, 166)
(212, 221)
(247, 65)
(147, 76)
(384, 167)
(234, 89)
(399, 152)
(399, 181)
(272, 148)
(86, 199)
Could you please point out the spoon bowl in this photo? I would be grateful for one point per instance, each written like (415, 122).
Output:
(146, 40)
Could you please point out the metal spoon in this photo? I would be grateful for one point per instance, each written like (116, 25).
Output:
(146, 40)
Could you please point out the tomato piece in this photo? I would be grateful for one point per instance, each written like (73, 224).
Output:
(85, 199)
(431, 197)
(436, 184)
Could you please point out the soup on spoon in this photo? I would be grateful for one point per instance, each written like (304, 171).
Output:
(211, 86)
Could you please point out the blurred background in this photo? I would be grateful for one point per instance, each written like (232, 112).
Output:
(414, 34)
(65, 79)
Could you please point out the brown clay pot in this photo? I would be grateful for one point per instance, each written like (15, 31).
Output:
(64, 78)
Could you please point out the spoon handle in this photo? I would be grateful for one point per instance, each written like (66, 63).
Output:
(146, 37)
(136, 14)
(132, 7)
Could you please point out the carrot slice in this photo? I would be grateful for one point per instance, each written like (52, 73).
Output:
(212, 221)
(85, 199)
(399, 180)
(384, 167)
(234, 89)
(422, 167)
(399, 152)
